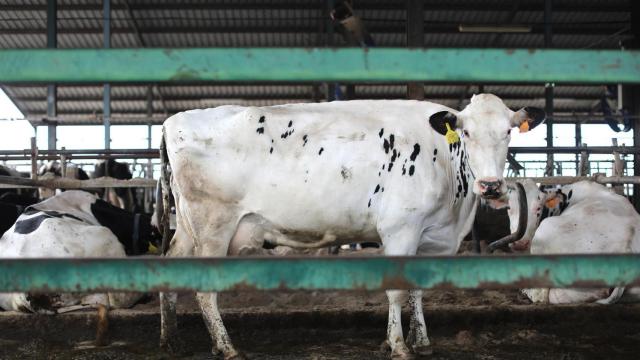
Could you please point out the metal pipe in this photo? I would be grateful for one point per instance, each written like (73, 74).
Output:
(66, 183)
(318, 273)
(52, 43)
(106, 100)
(522, 222)
(598, 178)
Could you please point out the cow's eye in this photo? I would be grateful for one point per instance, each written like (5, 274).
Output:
(466, 133)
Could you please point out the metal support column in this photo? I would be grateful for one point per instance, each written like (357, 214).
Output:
(52, 43)
(548, 89)
(631, 99)
(415, 38)
(106, 95)
(328, 42)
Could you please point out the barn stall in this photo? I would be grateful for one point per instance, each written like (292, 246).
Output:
(119, 65)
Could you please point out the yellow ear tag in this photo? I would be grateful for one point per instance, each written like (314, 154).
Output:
(451, 136)
(551, 203)
(152, 249)
(524, 127)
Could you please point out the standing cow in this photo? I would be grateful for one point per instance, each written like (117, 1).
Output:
(581, 218)
(407, 174)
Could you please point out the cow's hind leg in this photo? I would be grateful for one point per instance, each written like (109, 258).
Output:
(217, 244)
(417, 338)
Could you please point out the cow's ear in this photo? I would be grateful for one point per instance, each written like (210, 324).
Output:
(440, 120)
(553, 200)
(528, 118)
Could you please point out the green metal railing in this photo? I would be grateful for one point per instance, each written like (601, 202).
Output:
(319, 273)
(313, 64)
(300, 65)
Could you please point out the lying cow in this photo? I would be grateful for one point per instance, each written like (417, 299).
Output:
(406, 174)
(581, 218)
(73, 224)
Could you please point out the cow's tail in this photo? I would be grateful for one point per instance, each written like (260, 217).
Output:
(163, 203)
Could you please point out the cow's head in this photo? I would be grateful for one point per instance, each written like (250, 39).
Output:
(485, 128)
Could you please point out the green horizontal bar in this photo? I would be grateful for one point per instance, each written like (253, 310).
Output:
(336, 273)
(319, 64)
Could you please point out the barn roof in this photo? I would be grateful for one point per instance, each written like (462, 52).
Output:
(577, 24)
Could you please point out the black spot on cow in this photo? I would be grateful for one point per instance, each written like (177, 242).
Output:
(321, 150)
(390, 166)
(381, 132)
(271, 151)
(382, 190)
(412, 169)
(345, 173)
(391, 140)
(261, 120)
(379, 173)
(435, 152)
(385, 144)
(570, 195)
(260, 130)
(393, 156)
(434, 159)
(383, 165)
(272, 141)
(27, 226)
(377, 189)
(416, 151)
(305, 138)
(369, 205)
(290, 123)
(404, 169)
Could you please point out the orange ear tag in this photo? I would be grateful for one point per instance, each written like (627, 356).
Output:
(451, 136)
(551, 203)
(524, 127)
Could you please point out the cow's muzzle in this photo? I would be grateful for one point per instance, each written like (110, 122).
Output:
(490, 189)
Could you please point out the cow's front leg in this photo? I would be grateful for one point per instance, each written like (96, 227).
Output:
(417, 338)
(403, 242)
(395, 338)
(222, 342)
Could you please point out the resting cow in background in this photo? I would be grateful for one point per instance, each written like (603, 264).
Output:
(581, 218)
(53, 169)
(125, 198)
(13, 201)
(407, 174)
(73, 224)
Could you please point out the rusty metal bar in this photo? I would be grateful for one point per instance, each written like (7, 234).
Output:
(66, 183)
(317, 273)
(319, 64)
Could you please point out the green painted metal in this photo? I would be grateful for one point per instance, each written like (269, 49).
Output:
(341, 273)
(319, 64)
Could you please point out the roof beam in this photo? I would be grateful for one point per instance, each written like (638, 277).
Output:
(604, 29)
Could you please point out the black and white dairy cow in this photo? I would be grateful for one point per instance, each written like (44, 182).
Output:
(73, 224)
(124, 198)
(407, 174)
(581, 218)
(53, 169)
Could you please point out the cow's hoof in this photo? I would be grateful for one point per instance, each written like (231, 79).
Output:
(423, 350)
(385, 347)
(175, 348)
(402, 356)
(235, 356)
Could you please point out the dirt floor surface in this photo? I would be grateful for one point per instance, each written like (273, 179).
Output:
(339, 325)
